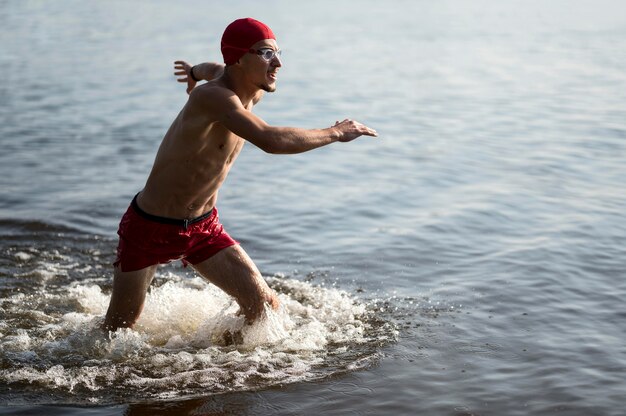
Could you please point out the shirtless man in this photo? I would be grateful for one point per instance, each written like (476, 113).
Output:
(174, 216)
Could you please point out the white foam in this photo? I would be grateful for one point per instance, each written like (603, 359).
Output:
(22, 256)
(189, 336)
(91, 298)
(16, 343)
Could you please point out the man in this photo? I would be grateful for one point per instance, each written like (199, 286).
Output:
(174, 216)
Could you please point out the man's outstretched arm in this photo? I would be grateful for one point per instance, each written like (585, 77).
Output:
(205, 71)
(228, 110)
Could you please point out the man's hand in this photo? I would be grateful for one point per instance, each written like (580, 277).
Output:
(183, 71)
(350, 130)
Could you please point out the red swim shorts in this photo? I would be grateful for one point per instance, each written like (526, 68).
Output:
(147, 239)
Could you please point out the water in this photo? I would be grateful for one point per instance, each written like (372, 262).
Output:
(467, 262)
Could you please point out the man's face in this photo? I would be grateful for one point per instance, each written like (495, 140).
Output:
(261, 71)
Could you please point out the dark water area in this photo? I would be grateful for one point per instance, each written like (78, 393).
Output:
(469, 261)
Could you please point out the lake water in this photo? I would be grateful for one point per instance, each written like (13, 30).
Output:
(469, 261)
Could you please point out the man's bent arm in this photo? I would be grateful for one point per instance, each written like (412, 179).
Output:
(205, 71)
(208, 70)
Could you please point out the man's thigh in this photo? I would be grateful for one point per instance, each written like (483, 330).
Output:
(235, 273)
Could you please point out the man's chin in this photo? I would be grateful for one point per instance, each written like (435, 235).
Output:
(268, 87)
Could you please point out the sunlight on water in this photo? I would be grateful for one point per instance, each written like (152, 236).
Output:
(189, 338)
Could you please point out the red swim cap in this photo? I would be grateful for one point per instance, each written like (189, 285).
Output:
(239, 37)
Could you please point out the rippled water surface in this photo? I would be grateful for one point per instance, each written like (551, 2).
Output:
(469, 261)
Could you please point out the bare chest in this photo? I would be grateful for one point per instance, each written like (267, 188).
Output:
(222, 145)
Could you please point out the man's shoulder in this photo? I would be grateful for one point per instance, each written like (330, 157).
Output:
(213, 101)
(211, 94)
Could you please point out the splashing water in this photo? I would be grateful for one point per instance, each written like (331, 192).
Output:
(189, 340)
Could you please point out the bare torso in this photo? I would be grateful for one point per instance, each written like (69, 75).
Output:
(193, 161)
(201, 146)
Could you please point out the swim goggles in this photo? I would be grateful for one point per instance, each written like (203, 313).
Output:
(268, 54)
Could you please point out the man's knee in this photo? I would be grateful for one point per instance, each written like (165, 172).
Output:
(253, 305)
(272, 300)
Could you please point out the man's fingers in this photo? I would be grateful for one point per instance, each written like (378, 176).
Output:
(182, 79)
(181, 66)
(353, 127)
(371, 132)
(180, 73)
(363, 129)
(367, 131)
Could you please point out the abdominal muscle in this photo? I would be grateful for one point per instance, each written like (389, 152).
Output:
(189, 169)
